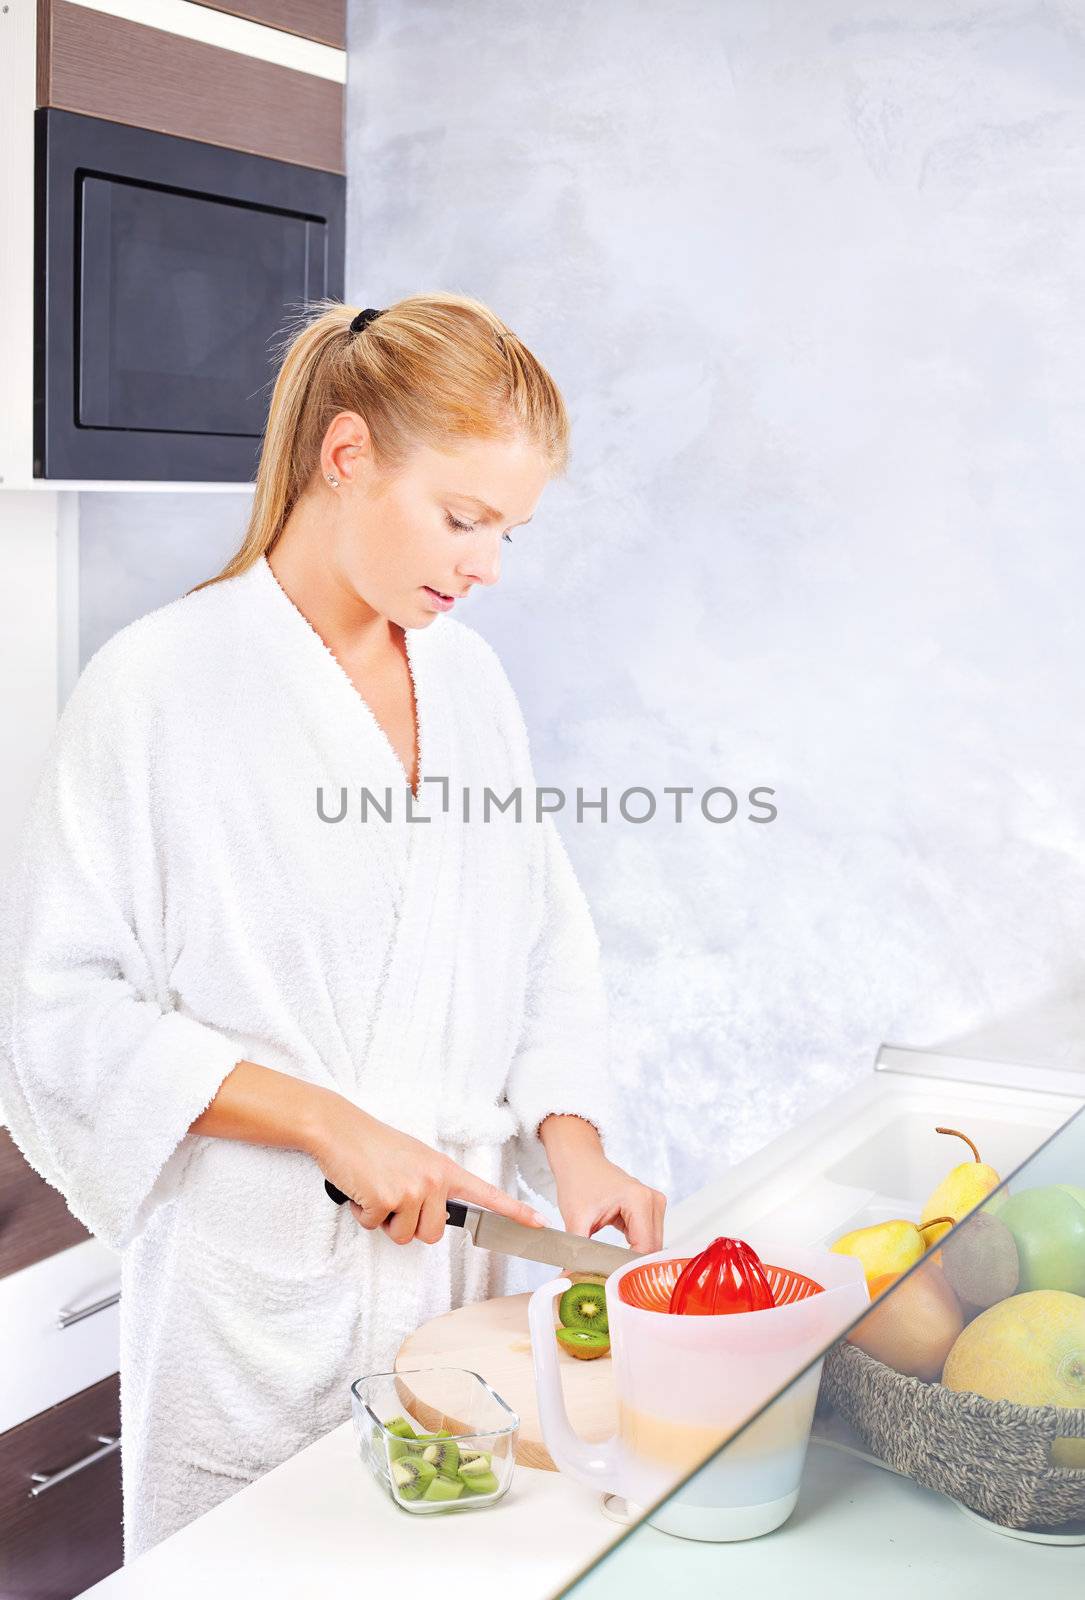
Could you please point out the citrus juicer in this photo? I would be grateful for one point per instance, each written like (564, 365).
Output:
(686, 1383)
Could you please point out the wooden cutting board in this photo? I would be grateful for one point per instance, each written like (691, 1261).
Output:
(490, 1337)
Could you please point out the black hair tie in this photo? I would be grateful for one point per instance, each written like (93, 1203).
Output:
(363, 319)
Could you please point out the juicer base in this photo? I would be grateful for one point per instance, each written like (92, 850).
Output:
(721, 1523)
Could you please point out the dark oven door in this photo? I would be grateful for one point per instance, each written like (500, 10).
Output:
(166, 272)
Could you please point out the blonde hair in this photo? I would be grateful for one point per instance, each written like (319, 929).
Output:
(433, 369)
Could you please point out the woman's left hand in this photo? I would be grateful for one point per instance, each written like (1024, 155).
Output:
(593, 1192)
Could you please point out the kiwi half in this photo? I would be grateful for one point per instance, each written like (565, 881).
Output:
(584, 1305)
(584, 1343)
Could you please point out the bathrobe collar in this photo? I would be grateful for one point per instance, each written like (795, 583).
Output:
(331, 680)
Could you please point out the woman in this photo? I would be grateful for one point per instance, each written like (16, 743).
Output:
(224, 983)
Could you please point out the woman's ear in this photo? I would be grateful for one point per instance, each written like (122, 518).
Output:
(346, 446)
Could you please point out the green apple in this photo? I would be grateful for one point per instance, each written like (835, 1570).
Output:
(1073, 1188)
(1048, 1226)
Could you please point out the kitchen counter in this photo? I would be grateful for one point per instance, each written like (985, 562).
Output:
(319, 1522)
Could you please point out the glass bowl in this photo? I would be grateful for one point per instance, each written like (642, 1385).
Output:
(436, 1438)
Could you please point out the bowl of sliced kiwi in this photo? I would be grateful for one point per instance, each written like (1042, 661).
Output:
(436, 1438)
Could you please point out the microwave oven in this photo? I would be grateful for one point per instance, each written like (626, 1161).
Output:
(166, 270)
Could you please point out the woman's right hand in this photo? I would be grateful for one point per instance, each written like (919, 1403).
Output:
(397, 1182)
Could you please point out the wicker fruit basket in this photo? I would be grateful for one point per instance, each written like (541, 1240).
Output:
(990, 1455)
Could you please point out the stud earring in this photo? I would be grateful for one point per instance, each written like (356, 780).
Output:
(333, 480)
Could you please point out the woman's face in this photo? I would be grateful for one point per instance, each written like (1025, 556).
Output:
(436, 528)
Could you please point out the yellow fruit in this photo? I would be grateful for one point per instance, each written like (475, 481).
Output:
(932, 1232)
(961, 1190)
(915, 1326)
(1029, 1349)
(883, 1247)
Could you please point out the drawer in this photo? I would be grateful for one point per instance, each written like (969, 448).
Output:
(67, 1535)
(34, 1218)
(44, 1362)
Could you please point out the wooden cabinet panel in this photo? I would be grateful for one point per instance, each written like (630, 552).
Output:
(57, 1543)
(106, 66)
(34, 1218)
(323, 20)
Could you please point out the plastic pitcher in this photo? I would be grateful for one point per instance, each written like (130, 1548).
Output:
(686, 1383)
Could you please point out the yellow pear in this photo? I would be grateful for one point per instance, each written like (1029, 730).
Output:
(884, 1247)
(961, 1190)
(932, 1232)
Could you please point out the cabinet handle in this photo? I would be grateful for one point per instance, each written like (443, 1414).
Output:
(72, 1314)
(48, 1480)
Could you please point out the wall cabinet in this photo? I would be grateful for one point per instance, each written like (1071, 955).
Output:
(174, 186)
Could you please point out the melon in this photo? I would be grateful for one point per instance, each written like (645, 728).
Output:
(1029, 1349)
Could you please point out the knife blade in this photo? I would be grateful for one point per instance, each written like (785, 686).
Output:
(489, 1230)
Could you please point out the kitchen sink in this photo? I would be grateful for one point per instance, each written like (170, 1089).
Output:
(873, 1153)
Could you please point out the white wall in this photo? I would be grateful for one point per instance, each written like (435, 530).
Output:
(29, 572)
(809, 276)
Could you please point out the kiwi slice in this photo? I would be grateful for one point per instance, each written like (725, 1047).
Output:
(481, 1483)
(474, 1462)
(584, 1305)
(401, 1442)
(421, 1442)
(441, 1488)
(411, 1476)
(584, 1343)
(444, 1454)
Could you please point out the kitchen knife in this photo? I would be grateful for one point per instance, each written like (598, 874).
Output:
(492, 1231)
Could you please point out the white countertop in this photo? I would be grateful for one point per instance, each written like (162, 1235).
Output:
(321, 1523)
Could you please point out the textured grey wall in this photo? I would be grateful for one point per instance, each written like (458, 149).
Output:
(809, 277)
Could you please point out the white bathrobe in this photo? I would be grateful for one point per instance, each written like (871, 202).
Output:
(177, 904)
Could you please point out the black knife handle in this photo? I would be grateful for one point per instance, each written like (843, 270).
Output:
(455, 1210)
